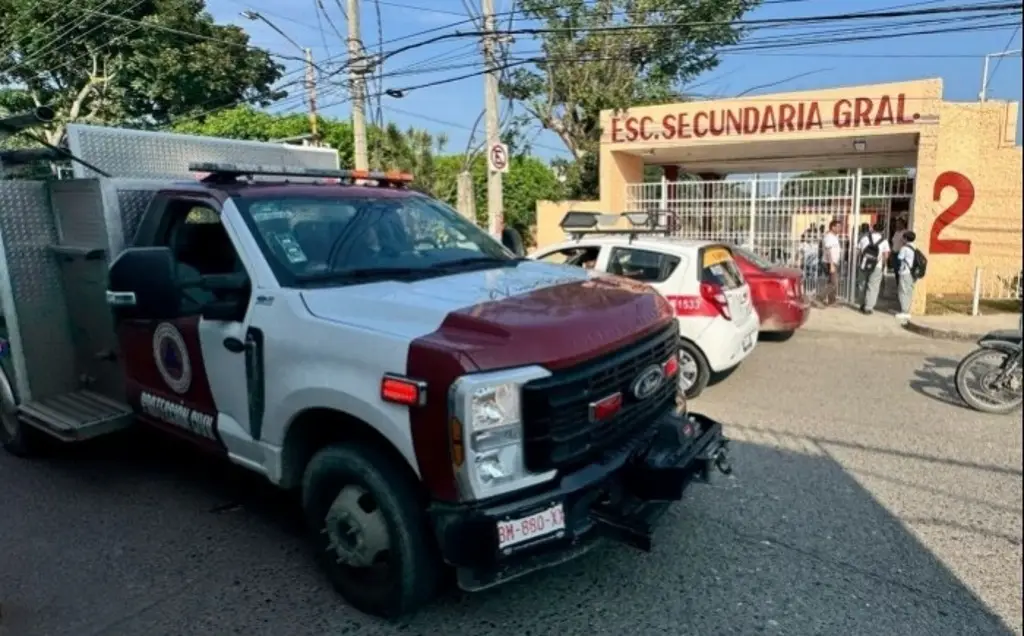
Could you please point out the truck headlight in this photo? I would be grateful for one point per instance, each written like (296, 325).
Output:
(487, 432)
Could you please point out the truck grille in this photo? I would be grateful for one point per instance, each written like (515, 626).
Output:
(556, 410)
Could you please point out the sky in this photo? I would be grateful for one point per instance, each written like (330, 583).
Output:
(453, 108)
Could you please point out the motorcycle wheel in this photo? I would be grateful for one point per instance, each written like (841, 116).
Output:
(967, 395)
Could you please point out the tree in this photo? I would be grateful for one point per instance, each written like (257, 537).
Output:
(391, 149)
(126, 61)
(527, 181)
(614, 54)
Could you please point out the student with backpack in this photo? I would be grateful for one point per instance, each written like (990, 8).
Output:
(872, 252)
(911, 266)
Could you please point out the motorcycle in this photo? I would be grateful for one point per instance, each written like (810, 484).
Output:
(1000, 382)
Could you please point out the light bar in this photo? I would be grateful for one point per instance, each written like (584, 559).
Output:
(218, 171)
(579, 221)
(639, 219)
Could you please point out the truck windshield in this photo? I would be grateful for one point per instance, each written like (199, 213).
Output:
(346, 239)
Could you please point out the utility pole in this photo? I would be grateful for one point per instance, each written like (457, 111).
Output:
(357, 80)
(495, 202)
(314, 126)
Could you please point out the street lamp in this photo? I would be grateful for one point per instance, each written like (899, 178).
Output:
(984, 73)
(249, 14)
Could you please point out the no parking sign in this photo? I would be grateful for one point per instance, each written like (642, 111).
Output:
(497, 157)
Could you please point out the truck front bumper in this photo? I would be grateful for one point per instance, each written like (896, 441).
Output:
(619, 499)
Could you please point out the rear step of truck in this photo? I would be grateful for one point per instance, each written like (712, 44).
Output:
(76, 416)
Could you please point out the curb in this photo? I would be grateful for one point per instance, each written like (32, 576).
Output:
(941, 334)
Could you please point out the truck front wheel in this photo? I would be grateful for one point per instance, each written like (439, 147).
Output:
(369, 530)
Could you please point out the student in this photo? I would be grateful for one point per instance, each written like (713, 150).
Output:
(872, 253)
(831, 257)
(904, 276)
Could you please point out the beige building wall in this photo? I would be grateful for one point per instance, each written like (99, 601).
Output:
(966, 146)
(976, 141)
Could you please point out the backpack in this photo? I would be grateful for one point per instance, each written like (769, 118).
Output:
(869, 255)
(920, 266)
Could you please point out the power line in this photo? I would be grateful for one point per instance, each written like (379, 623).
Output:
(840, 17)
(802, 39)
(398, 92)
(999, 60)
(59, 42)
(453, 124)
(197, 36)
(735, 50)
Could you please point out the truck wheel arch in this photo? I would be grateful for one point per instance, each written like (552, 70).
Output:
(317, 427)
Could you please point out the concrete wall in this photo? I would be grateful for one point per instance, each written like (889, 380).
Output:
(550, 214)
(972, 150)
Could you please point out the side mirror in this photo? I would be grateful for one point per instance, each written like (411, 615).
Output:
(512, 240)
(142, 283)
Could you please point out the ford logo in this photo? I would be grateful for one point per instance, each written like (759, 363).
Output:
(648, 382)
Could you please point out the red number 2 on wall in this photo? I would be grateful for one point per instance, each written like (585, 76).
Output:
(964, 200)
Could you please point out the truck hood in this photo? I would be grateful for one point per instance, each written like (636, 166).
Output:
(533, 313)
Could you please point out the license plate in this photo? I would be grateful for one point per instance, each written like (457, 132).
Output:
(524, 529)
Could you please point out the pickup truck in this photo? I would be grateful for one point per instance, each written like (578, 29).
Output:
(436, 401)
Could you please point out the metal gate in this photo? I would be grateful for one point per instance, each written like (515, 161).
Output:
(781, 219)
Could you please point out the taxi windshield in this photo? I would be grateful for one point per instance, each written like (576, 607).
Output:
(349, 239)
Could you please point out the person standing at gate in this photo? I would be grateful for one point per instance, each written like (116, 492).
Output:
(905, 274)
(872, 253)
(831, 257)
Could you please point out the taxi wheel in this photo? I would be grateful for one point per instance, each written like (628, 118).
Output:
(369, 530)
(694, 370)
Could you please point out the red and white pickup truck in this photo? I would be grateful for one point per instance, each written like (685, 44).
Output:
(435, 400)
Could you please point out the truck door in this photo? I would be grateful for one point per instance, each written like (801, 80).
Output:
(187, 375)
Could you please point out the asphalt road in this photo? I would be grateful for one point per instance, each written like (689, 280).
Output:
(865, 501)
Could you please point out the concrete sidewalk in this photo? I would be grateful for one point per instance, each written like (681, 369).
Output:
(959, 327)
(847, 320)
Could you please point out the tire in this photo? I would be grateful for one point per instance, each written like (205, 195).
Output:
(17, 438)
(779, 336)
(357, 486)
(964, 391)
(702, 370)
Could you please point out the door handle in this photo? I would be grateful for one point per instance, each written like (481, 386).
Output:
(234, 345)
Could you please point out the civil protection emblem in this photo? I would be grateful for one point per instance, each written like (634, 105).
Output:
(171, 357)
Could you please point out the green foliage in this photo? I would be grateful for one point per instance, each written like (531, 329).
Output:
(588, 70)
(141, 70)
(389, 149)
(246, 122)
(527, 181)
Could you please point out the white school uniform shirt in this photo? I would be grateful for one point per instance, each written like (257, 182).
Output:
(898, 241)
(876, 237)
(831, 248)
(906, 258)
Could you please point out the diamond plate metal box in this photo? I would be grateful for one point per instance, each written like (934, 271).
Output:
(32, 294)
(157, 155)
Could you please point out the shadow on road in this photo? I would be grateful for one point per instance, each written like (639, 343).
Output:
(136, 537)
(935, 380)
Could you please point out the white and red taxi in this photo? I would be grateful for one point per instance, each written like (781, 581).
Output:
(718, 324)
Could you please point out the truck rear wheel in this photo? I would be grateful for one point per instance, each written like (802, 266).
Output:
(369, 530)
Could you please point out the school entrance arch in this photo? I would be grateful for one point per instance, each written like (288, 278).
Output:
(769, 171)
